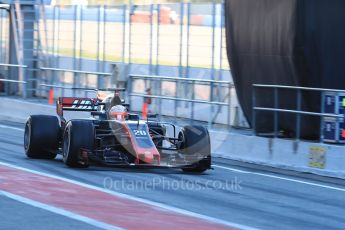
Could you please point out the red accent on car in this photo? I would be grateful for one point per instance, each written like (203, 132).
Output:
(149, 155)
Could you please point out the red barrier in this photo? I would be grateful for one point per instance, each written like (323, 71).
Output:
(51, 97)
(145, 17)
(141, 17)
(165, 15)
(197, 20)
(145, 111)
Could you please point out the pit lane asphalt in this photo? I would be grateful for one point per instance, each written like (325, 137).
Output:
(249, 195)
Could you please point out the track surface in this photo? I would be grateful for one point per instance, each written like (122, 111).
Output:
(238, 193)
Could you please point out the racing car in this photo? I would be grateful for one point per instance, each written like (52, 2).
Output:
(114, 137)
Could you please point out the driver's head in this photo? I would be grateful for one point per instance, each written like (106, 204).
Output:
(118, 112)
(116, 100)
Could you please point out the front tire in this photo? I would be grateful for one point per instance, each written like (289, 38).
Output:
(78, 135)
(195, 140)
(41, 136)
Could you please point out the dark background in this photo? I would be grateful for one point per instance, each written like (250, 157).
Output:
(285, 42)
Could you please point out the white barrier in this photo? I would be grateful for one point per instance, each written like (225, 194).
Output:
(321, 159)
(19, 110)
(317, 158)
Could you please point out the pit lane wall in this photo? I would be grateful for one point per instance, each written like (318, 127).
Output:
(321, 159)
(18, 110)
(301, 156)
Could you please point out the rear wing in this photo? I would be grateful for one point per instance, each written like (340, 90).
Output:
(76, 104)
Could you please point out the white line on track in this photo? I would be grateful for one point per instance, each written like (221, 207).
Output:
(60, 211)
(11, 127)
(125, 196)
(280, 178)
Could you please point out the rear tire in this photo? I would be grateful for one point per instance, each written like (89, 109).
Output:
(195, 140)
(78, 134)
(41, 136)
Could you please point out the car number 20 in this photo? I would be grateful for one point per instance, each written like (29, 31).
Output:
(140, 133)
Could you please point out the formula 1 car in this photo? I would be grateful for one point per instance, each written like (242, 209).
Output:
(128, 141)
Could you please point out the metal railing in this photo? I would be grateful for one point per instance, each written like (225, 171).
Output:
(298, 110)
(214, 106)
(13, 65)
(59, 81)
(218, 109)
(12, 81)
(22, 89)
(76, 71)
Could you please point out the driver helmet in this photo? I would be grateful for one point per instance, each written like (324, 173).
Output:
(118, 112)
